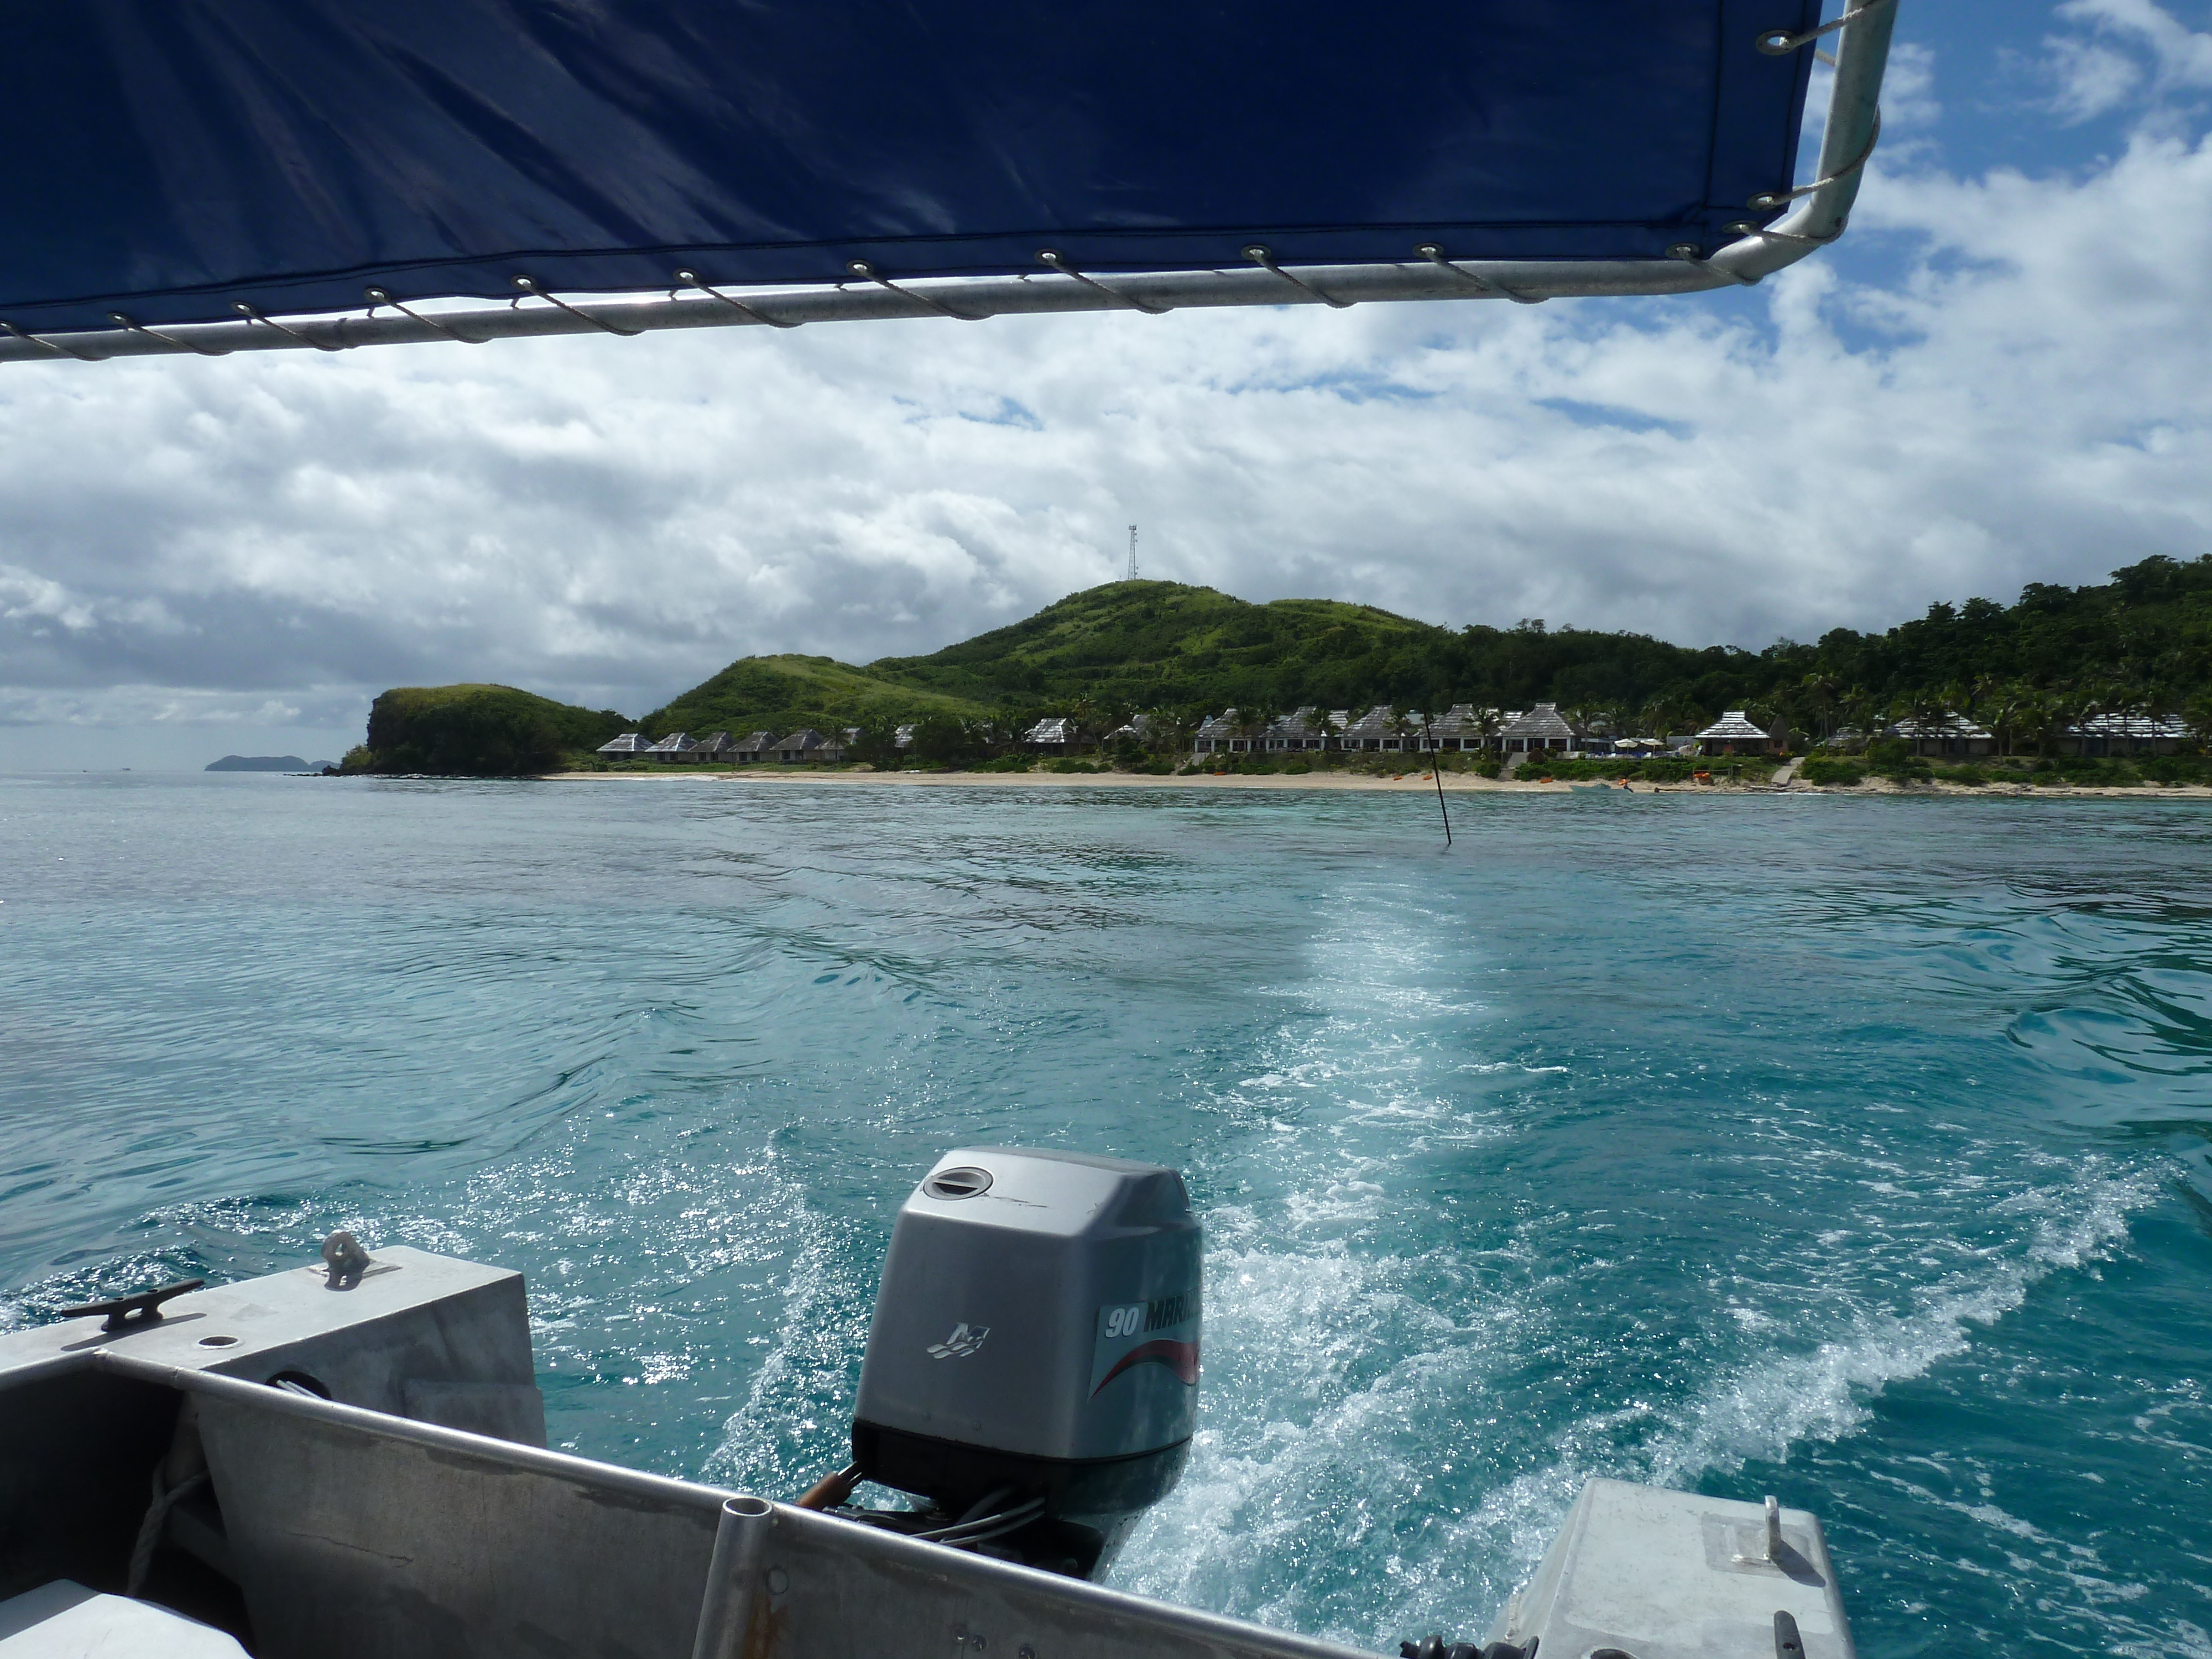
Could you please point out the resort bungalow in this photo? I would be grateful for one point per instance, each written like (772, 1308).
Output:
(808, 745)
(676, 746)
(1735, 734)
(752, 747)
(1952, 734)
(1307, 729)
(1053, 736)
(1139, 730)
(902, 739)
(2128, 734)
(1375, 732)
(712, 749)
(627, 746)
(1542, 729)
(1462, 730)
(1222, 734)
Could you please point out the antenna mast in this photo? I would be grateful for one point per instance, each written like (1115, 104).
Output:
(1132, 552)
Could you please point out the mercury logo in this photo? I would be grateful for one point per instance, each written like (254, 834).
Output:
(964, 1341)
(1140, 1317)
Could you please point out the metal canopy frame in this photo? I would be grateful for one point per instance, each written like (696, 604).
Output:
(1818, 214)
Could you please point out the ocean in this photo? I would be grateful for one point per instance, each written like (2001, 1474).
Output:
(1851, 1150)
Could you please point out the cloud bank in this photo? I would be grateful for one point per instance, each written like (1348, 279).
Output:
(2001, 376)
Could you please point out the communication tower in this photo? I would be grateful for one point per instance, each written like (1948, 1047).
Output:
(1132, 552)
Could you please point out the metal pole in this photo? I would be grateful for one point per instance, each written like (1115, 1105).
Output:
(1437, 771)
(725, 1612)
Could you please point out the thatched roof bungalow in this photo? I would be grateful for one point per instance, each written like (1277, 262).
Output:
(1307, 728)
(808, 745)
(1542, 729)
(1225, 733)
(1737, 733)
(1054, 735)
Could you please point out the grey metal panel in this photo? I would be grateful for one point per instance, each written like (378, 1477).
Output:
(414, 1320)
(65, 1621)
(811, 1586)
(1673, 1575)
(360, 1537)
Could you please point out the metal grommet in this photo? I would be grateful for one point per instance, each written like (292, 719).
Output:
(861, 268)
(378, 296)
(1265, 260)
(530, 287)
(1435, 256)
(1052, 257)
(691, 279)
(253, 316)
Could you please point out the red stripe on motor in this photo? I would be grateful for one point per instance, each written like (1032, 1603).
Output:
(1181, 1357)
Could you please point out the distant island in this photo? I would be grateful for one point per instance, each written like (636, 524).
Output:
(263, 763)
(2138, 646)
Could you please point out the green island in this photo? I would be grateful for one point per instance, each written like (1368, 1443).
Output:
(2030, 678)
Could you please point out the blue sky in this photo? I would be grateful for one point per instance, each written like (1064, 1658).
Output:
(2002, 374)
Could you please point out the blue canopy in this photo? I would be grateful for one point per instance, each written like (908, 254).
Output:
(168, 158)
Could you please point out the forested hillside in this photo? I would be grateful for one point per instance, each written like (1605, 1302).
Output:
(2140, 643)
(479, 731)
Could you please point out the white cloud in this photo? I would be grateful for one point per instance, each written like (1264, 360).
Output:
(2183, 56)
(2029, 399)
(2092, 79)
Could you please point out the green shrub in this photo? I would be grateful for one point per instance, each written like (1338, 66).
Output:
(1832, 772)
(947, 740)
(1969, 777)
(2092, 771)
(1892, 759)
(1069, 764)
(2174, 768)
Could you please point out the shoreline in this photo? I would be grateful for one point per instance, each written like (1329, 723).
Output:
(1453, 783)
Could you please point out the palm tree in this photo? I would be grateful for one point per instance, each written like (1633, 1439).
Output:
(1820, 691)
(2196, 717)
(2007, 703)
(2069, 708)
(1254, 719)
(1401, 724)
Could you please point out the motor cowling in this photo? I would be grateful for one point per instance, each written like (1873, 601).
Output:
(1035, 1341)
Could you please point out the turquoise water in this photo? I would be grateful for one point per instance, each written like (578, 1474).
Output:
(1854, 1150)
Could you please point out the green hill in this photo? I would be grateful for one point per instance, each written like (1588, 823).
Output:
(476, 730)
(1147, 644)
(781, 693)
(1162, 644)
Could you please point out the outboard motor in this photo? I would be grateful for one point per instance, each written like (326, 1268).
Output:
(1032, 1370)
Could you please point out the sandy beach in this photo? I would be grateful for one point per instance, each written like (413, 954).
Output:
(1455, 783)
